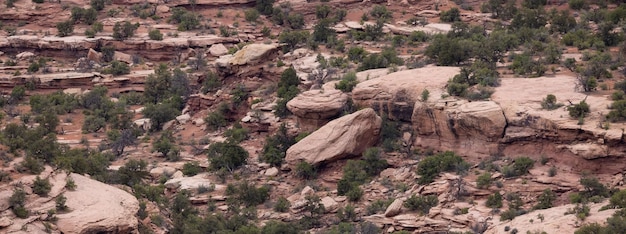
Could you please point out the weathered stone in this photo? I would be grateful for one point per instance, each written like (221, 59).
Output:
(313, 108)
(329, 204)
(218, 50)
(347, 136)
(394, 208)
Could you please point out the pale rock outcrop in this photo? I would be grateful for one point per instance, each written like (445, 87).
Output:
(554, 220)
(190, 183)
(24, 55)
(96, 207)
(94, 55)
(315, 107)
(461, 126)
(273, 171)
(395, 94)
(218, 50)
(244, 61)
(330, 204)
(394, 208)
(123, 57)
(347, 136)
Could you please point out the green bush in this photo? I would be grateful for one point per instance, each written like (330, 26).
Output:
(282, 205)
(305, 171)
(494, 200)
(549, 103)
(451, 15)
(380, 12)
(65, 28)
(122, 31)
(217, 119)
(522, 165)
(132, 172)
(618, 199)
(237, 133)
(17, 201)
(484, 180)
(248, 194)
(155, 34)
(422, 204)
(430, 167)
(60, 203)
(117, 68)
(276, 146)
(265, 6)
(384, 59)
(191, 168)
(579, 110)
(545, 200)
(593, 187)
(98, 5)
(251, 15)
(41, 187)
(160, 113)
(186, 20)
(347, 83)
(226, 155)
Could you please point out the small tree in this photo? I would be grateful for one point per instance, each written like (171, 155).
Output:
(451, 16)
(41, 187)
(549, 103)
(65, 28)
(484, 180)
(252, 15)
(545, 200)
(122, 31)
(226, 155)
(17, 202)
(579, 110)
(422, 204)
(155, 34)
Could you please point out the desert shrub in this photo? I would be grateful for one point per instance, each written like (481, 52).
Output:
(248, 194)
(422, 204)
(593, 187)
(357, 54)
(237, 133)
(549, 103)
(524, 64)
(378, 206)
(282, 205)
(117, 68)
(579, 110)
(276, 146)
(305, 171)
(353, 176)
(347, 83)
(577, 4)
(545, 200)
(17, 202)
(65, 28)
(381, 12)
(251, 15)
(451, 15)
(186, 20)
(287, 90)
(122, 31)
(155, 34)
(265, 6)
(41, 186)
(132, 172)
(226, 155)
(354, 194)
(494, 200)
(484, 180)
(384, 59)
(293, 39)
(522, 165)
(60, 203)
(160, 113)
(618, 111)
(98, 5)
(191, 168)
(93, 123)
(430, 167)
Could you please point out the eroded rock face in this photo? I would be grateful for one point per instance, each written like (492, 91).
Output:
(461, 126)
(347, 136)
(314, 107)
(98, 208)
(511, 123)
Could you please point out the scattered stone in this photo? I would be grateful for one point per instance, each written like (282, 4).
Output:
(218, 50)
(271, 172)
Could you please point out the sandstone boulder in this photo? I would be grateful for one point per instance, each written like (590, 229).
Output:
(314, 107)
(24, 55)
(394, 208)
(253, 54)
(218, 50)
(98, 208)
(94, 55)
(329, 204)
(123, 57)
(347, 136)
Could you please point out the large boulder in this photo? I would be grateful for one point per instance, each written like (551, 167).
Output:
(315, 107)
(96, 207)
(396, 93)
(347, 136)
(244, 61)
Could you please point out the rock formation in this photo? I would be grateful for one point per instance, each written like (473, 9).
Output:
(347, 136)
(315, 107)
